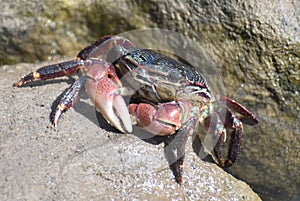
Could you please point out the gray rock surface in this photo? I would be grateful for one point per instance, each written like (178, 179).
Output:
(80, 160)
(254, 44)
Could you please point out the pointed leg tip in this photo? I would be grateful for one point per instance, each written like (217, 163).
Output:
(19, 83)
(222, 163)
(54, 120)
(228, 163)
(179, 180)
(54, 124)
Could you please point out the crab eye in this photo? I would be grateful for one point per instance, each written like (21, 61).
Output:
(141, 57)
(175, 76)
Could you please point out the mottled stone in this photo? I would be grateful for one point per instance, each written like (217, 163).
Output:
(254, 45)
(84, 159)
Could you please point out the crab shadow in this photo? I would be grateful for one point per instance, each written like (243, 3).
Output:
(89, 111)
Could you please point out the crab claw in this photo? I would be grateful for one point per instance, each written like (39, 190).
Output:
(104, 89)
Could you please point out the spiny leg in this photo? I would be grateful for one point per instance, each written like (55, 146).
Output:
(218, 132)
(178, 143)
(218, 151)
(231, 121)
(246, 117)
(67, 99)
(99, 47)
(235, 142)
(52, 71)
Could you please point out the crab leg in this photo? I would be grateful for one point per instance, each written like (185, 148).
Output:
(67, 100)
(52, 71)
(235, 140)
(247, 116)
(99, 47)
(218, 151)
(234, 150)
(181, 138)
(177, 142)
(216, 128)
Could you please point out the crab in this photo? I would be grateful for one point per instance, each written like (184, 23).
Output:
(167, 98)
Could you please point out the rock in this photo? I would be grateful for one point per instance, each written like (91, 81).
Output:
(47, 30)
(80, 160)
(254, 45)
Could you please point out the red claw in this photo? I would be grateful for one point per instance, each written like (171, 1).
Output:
(148, 118)
(104, 89)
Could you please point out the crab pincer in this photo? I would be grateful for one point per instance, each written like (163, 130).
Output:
(105, 91)
(102, 85)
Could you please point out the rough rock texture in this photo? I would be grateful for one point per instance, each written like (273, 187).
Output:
(254, 44)
(41, 30)
(81, 161)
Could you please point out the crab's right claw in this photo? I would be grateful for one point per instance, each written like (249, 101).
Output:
(104, 89)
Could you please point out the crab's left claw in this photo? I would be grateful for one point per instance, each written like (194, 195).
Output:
(105, 90)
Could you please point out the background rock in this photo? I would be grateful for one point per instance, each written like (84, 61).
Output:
(254, 44)
(81, 161)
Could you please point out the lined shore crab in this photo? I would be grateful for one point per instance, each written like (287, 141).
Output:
(168, 98)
